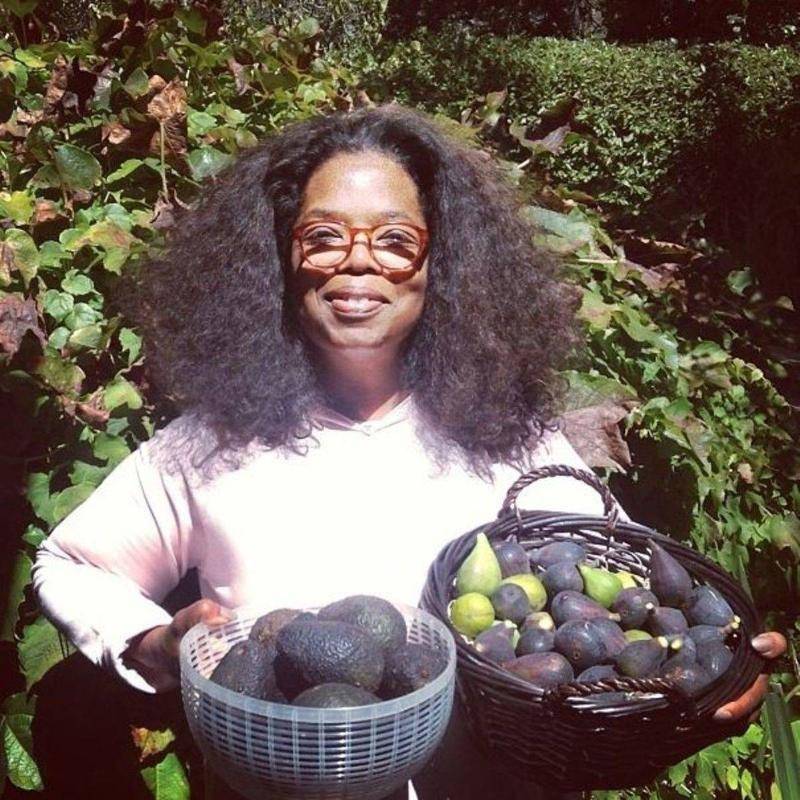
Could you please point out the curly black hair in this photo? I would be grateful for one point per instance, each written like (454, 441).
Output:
(497, 324)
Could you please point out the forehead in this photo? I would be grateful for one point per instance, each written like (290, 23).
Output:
(366, 186)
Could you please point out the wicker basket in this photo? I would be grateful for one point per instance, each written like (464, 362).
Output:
(566, 738)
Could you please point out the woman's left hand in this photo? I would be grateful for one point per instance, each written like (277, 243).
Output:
(769, 645)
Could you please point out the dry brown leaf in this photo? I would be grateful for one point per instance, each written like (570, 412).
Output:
(115, 132)
(56, 86)
(17, 317)
(169, 103)
(45, 211)
(595, 434)
(239, 75)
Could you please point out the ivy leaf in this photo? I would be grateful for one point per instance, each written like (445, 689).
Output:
(62, 375)
(206, 161)
(66, 501)
(19, 252)
(90, 336)
(77, 284)
(78, 168)
(57, 304)
(33, 536)
(17, 753)
(38, 495)
(149, 743)
(20, 7)
(307, 28)
(137, 83)
(121, 392)
(167, 779)
(131, 344)
(784, 533)
(110, 448)
(40, 649)
(13, 594)
(91, 474)
(16, 206)
(82, 314)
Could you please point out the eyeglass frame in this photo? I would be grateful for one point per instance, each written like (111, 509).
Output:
(399, 274)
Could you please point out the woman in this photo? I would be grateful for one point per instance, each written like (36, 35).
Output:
(364, 345)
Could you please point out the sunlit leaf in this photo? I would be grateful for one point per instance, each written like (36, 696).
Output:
(16, 759)
(13, 593)
(167, 779)
(17, 206)
(77, 167)
(40, 649)
(66, 501)
(206, 161)
(61, 374)
(121, 393)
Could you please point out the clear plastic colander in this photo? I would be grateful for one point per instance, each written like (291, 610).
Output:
(271, 750)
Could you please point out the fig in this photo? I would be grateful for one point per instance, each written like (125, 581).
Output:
(471, 613)
(690, 677)
(600, 584)
(664, 621)
(538, 619)
(570, 605)
(496, 643)
(641, 659)
(612, 635)
(535, 640)
(636, 635)
(627, 579)
(544, 670)
(480, 571)
(701, 634)
(599, 672)
(682, 645)
(581, 643)
(554, 552)
(706, 606)
(715, 657)
(510, 602)
(513, 559)
(537, 596)
(562, 577)
(633, 606)
(669, 580)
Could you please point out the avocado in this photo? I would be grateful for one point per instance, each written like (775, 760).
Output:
(409, 668)
(335, 695)
(323, 651)
(373, 614)
(266, 627)
(248, 668)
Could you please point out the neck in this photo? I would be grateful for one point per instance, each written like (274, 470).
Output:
(362, 385)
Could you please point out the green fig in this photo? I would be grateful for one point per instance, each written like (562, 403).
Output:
(538, 619)
(471, 613)
(636, 635)
(669, 580)
(600, 584)
(627, 579)
(480, 571)
(537, 596)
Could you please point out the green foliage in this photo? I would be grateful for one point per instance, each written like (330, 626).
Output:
(668, 134)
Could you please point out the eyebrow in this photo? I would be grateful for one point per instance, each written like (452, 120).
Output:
(329, 213)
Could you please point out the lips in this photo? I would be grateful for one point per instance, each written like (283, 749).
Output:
(354, 301)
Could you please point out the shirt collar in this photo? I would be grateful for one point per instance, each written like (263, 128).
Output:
(327, 417)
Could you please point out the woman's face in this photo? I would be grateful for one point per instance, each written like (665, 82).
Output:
(354, 306)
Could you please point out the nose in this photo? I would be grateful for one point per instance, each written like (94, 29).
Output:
(359, 259)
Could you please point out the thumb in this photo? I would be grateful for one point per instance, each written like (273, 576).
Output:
(206, 611)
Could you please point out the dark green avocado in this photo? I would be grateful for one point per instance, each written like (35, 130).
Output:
(248, 668)
(321, 651)
(409, 668)
(374, 614)
(335, 695)
(266, 627)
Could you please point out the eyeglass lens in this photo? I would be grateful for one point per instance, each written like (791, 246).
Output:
(394, 246)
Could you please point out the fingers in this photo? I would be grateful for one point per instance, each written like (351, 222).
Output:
(770, 644)
(744, 705)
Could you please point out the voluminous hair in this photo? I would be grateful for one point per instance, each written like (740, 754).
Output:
(221, 330)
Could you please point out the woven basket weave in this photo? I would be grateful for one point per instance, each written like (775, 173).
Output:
(568, 737)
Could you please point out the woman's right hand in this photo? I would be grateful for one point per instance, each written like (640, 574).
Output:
(154, 653)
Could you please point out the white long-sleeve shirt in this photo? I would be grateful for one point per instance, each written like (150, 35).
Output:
(364, 510)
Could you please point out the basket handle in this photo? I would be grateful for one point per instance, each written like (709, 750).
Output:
(610, 507)
(666, 686)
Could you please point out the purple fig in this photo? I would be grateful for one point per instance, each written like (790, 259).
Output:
(633, 606)
(706, 606)
(573, 605)
(581, 643)
(535, 640)
(690, 677)
(544, 670)
(642, 658)
(554, 552)
(715, 657)
(599, 672)
(510, 602)
(496, 643)
(669, 580)
(562, 577)
(513, 558)
(612, 635)
(665, 621)
(701, 634)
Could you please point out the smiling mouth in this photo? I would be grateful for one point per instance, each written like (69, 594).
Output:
(355, 304)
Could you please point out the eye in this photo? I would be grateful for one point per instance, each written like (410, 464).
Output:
(322, 233)
(397, 236)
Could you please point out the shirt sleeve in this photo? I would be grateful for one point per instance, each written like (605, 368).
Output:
(102, 572)
(564, 494)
